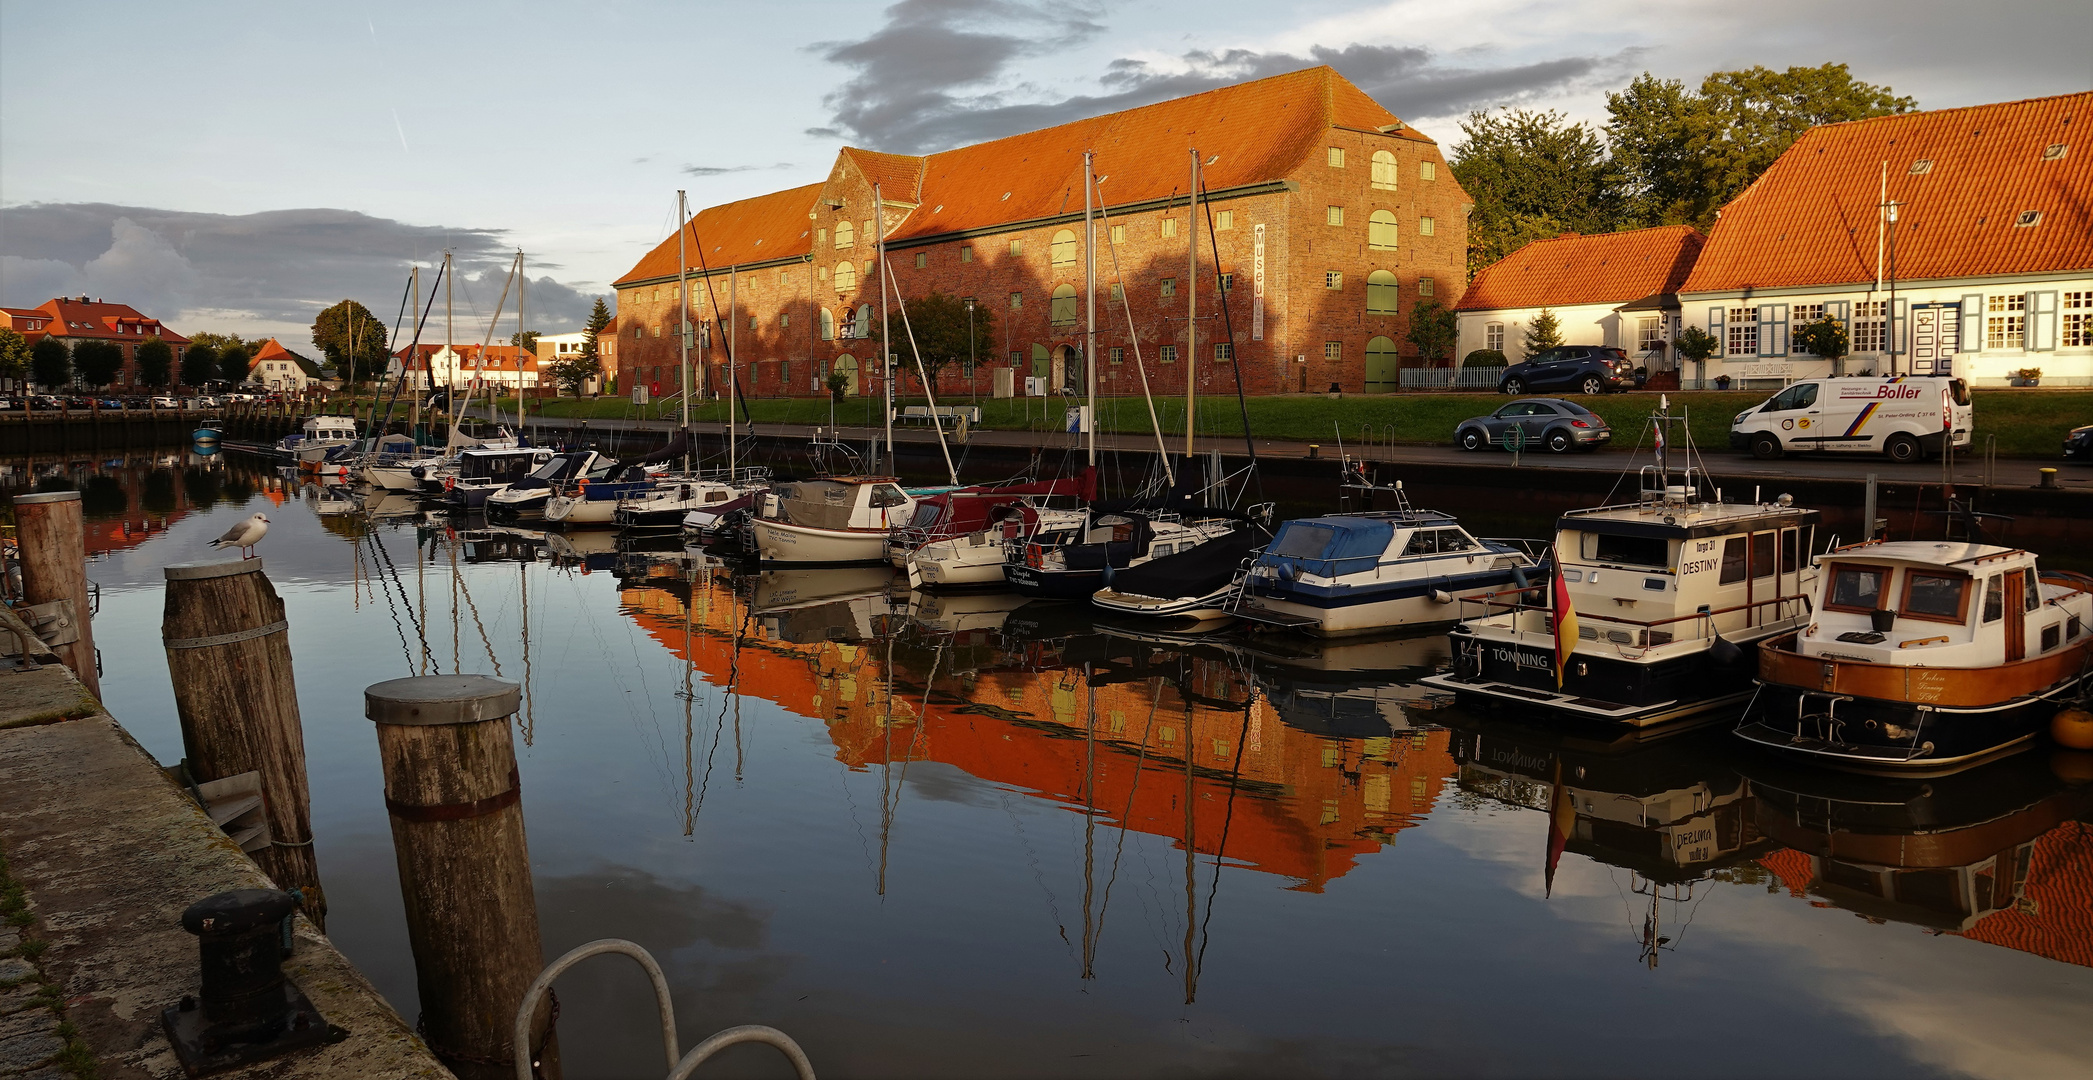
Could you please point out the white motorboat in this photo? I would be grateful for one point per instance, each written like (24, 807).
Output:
(664, 504)
(527, 498)
(834, 521)
(976, 558)
(318, 436)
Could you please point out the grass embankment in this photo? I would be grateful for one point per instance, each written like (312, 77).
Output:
(2028, 423)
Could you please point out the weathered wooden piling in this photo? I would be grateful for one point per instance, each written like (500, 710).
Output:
(229, 653)
(453, 795)
(53, 538)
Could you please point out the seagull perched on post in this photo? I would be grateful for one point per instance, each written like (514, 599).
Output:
(244, 535)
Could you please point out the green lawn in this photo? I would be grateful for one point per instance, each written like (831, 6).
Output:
(2028, 423)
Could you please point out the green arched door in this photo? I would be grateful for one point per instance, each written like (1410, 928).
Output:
(1383, 366)
(846, 365)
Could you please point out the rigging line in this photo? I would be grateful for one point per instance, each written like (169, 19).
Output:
(1140, 366)
(421, 589)
(1140, 759)
(405, 649)
(733, 692)
(909, 754)
(1228, 326)
(1228, 818)
(523, 585)
(477, 625)
(929, 393)
(725, 346)
(451, 545)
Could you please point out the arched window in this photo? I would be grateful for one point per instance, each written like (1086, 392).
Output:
(1042, 361)
(828, 325)
(1064, 248)
(846, 236)
(1064, 309)
(846, 366)
(1381, 230)
(1382, 293)
(1383, 366)
(1384, 170)
(846, 276)
(861, 326)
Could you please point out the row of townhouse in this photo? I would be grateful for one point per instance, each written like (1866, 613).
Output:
(1955, 241)
(73, 319)
(1332, 219)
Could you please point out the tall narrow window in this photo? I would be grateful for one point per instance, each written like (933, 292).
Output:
(828, 325)
(1382, 293)
(1743, 326)
(1169, 226)
(1334, 215)
(2005, 320)
(1336, 157)
(1224, 220)
(1493, 336)
(846, 276)
(1064, 248)
(1118, 293)
(1384, 170)
(922, 259)
(1381, 230)
(1427, 226)
(1063, 312)
(966, 253)
(846, 235)
(1119, 234)
(1017, 301)
(1169, 286)
(1017, 248)
(1424, 286)
(1118, 354)
(1427, 170)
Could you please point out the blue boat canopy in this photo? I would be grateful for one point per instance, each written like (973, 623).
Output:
(1328, 546)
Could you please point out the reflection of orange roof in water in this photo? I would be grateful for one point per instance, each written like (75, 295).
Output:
(1305, 807)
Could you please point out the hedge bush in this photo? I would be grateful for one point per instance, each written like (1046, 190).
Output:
(1484, 358)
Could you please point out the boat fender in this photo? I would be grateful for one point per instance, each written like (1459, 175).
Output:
(1519, 577)
(2073, 728)
(1441, 596)
(1726, 653)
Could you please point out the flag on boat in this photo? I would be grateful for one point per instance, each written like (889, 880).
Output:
(1565, 625)
(1562, 818)
(1660, 438)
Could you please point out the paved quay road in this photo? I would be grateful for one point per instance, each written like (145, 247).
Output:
(1724, 465)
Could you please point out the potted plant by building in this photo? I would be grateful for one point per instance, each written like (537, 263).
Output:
(2028, 376)
(1698, 345)
(1824, 338)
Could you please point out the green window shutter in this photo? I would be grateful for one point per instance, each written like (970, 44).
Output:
(1840, 311)
(1895, 344)
(1972, 335)
(2042, 321)
(1715, 322)
(1773, 329)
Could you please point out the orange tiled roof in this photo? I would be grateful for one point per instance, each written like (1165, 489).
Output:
(772, 226)
(1811, 218)
(1250, 132)
(1609, 268)
(97, 319)
(273, 349)
(2057, 921)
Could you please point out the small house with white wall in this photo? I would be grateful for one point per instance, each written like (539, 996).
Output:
(1955, 241)
(1614, 289)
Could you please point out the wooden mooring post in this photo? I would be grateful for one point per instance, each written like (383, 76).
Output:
(453, 795)
(53, 538)
(229, 653)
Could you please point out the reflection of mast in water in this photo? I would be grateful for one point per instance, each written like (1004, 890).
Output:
(1235, 776)
(1653, 938)
(690, 819)
(523, 585)
(889, 792)
(1089, 821)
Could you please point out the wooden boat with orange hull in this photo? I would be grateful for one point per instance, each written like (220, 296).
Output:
(1924, 657)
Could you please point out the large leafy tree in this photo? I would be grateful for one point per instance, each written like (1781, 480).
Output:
(14, 353)
(1683, 154)
(234, 363)
(1533, 175)
(155, 363)
(199, 364)
(940, 323)
(1432, 330)
(98, 362)
(352, 339)
(50, 363)
(222, 342)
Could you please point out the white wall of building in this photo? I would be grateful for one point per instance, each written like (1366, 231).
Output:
(1505, 329)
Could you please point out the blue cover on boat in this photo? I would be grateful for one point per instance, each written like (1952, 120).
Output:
(1327, 546)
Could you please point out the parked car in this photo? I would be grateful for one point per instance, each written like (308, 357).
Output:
(1905, 417)
(48, 401)
(1587, 369)
(2078, 443)
(9, 404)
(109, 403)
(75, 401)
(1558, 425)
(164, 402)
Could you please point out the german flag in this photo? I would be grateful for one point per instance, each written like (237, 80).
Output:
(1565, 625)
(1562, 818)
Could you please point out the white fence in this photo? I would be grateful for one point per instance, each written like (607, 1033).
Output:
(1460, 378)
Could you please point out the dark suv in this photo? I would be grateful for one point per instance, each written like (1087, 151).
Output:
(1586, 369)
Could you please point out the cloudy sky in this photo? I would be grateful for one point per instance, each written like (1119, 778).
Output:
(236, 166)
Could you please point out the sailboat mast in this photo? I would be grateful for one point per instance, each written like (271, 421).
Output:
(450, 361)
(1089, 314)
(733, 387)
(523, 280)
(886, 371)
(683, 312)
(1191, 301)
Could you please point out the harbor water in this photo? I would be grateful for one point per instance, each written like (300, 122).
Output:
(961, 836)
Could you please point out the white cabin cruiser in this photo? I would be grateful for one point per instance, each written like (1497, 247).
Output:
(670, 499)
(527, 498)
(1923, 656)
(833, 521)
(316, 437)
(976, 558)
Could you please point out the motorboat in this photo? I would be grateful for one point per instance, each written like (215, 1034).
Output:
(664, 504)
(481, 473)
(1197, 583)
(1074, 563)
(1377, 571)
(316, 436)
(594, 501)
(1650, 612)
(966, 511)
(527, 498)
(975, 559)
(833, 521)
(722, 525)
(1923, 656)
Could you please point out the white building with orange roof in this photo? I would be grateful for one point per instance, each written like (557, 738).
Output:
(1614, 289)
(279, 368)
(1955, 241)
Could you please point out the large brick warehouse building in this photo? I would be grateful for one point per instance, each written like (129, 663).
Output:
(1352, 214)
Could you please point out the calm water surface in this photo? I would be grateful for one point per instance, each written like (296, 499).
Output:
(950, 838)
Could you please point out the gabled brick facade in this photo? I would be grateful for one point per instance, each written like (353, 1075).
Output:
(783, 278)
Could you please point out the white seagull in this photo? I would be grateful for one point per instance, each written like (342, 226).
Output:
(244, 535)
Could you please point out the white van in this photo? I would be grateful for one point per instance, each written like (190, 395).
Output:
(1906, 417)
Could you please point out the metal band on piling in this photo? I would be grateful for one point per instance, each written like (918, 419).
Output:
(42, 497)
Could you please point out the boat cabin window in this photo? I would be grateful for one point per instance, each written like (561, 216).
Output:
(1790, 555)
(1299, 540)
(1422, 542)
(1454, 540)
(1936, 596)
(715, 496)
(1627, 550)
(2034, 588)
(1995, 598)
(1732, 561)
(1799, 396)
(888, 495)
(1856, 588)
(1762, 554)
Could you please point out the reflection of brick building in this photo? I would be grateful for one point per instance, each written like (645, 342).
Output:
(1350, 215)
(1304, 807)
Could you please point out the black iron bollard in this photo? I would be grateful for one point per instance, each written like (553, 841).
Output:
(245, 1011)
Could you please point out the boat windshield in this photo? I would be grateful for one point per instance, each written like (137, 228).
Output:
(1328, 547)
(1627, 550)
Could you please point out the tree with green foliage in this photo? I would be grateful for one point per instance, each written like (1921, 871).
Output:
(155, 363)
(1696, 344)
(1682, 155)
(574, 370)
(1482, 358)
(14, 353)
(98, 363)
(1534, 176)
(1543, 333)
(50, 363)
(939, 322)
(222, 342)
(1824, 338)
(234, 363)
(353, 341)
(199, 364)
(528, 339)
(1432, 330)
(599, 321)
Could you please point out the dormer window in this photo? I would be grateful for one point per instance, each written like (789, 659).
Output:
(2028, 219)
(2055, 151)
(1922, 166)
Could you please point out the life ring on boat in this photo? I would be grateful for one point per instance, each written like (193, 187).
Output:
(449, 482)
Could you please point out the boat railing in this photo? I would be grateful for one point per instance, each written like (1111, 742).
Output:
(1540, 551)
(1639, 631)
